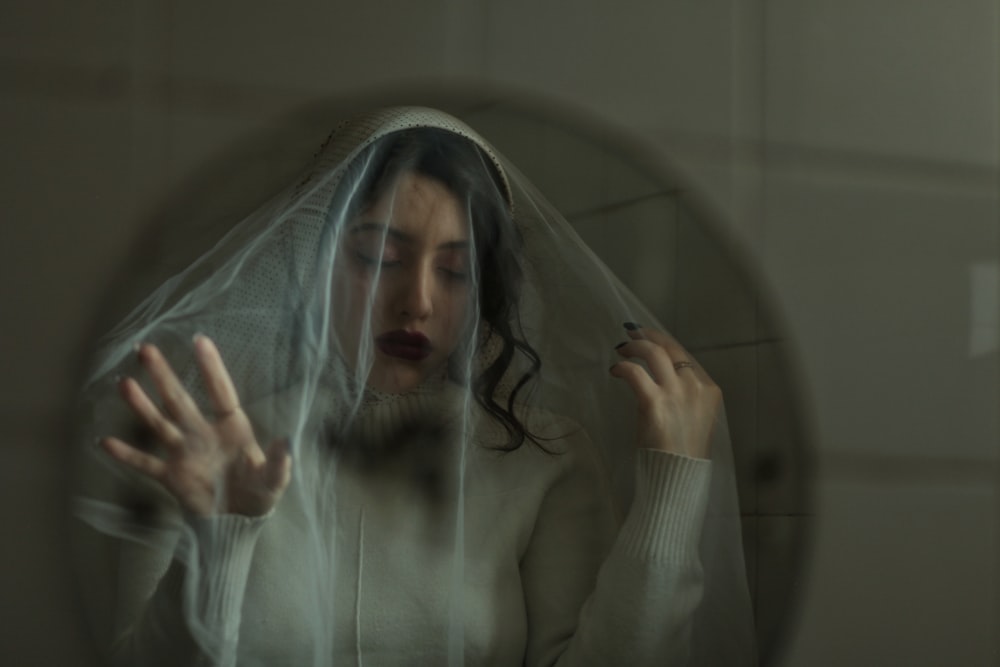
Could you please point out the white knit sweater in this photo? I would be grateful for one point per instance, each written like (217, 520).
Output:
(548, 577)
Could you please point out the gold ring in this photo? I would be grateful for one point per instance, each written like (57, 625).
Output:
(683, 364)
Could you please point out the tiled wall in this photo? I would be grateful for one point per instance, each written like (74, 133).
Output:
(851, 146)
(880, 195)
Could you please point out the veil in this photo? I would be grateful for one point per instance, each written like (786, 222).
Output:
(494, 510)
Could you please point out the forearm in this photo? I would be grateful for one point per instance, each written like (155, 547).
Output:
(636, 607)
(643, 603)
(192, 615)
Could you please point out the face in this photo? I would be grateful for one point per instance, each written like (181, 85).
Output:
(406, 260)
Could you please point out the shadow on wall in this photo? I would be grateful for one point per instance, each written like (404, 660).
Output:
(658, 235)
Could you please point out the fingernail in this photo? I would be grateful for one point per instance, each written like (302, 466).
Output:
(194, 338)
(621, 344)
(632, 326)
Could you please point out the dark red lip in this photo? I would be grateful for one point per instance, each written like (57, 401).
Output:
(409, 345)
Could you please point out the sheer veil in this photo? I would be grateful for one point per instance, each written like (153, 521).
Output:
(394, 495)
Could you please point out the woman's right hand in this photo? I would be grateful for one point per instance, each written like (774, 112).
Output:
(211, 465)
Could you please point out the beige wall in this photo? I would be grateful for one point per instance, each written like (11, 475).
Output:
(853, 146)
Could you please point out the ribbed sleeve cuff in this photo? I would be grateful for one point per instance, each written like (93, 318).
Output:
(668, 508)
(226, 546)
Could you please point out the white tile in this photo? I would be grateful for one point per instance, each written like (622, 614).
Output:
(781, 569)
(875, 280)
(638, 243)
(786, 450)
(716, 298)
(310, 45)
(662, 71)
(663, 65)
(746, 211)
(567, 167)
(885, 78)
(628, 177)
(573, 167)
(902, 573)
(576, 163)
(772, 321)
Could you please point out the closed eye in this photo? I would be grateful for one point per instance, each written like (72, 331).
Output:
(453, 261)
(382, 261)
(452, 274)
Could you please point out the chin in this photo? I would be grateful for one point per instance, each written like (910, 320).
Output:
(395, 381)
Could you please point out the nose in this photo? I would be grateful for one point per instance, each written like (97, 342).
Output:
(415, 300)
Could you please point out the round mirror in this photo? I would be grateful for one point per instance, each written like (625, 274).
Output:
(639, 215)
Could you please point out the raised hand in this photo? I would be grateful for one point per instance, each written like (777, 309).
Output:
(210, 464)
(677, 401)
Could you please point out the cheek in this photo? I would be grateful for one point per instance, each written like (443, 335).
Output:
(352, 291)
(350, 302)
(458, 307)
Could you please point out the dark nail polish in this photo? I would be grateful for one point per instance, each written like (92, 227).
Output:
(632, 326)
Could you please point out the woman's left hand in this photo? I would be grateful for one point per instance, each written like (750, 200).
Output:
(678, 402)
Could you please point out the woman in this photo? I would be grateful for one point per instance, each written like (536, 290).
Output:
(399, 441)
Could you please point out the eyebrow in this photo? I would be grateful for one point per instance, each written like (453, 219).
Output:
(402, 236)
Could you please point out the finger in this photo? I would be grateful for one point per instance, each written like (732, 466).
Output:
(278, 468)
(170, 436)
(661, 338)
(638, 379)
(221, 391)
(673, 348)
(147, 464)
(655, 357)
(176, 400)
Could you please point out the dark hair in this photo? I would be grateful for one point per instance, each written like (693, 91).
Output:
(464, 168)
